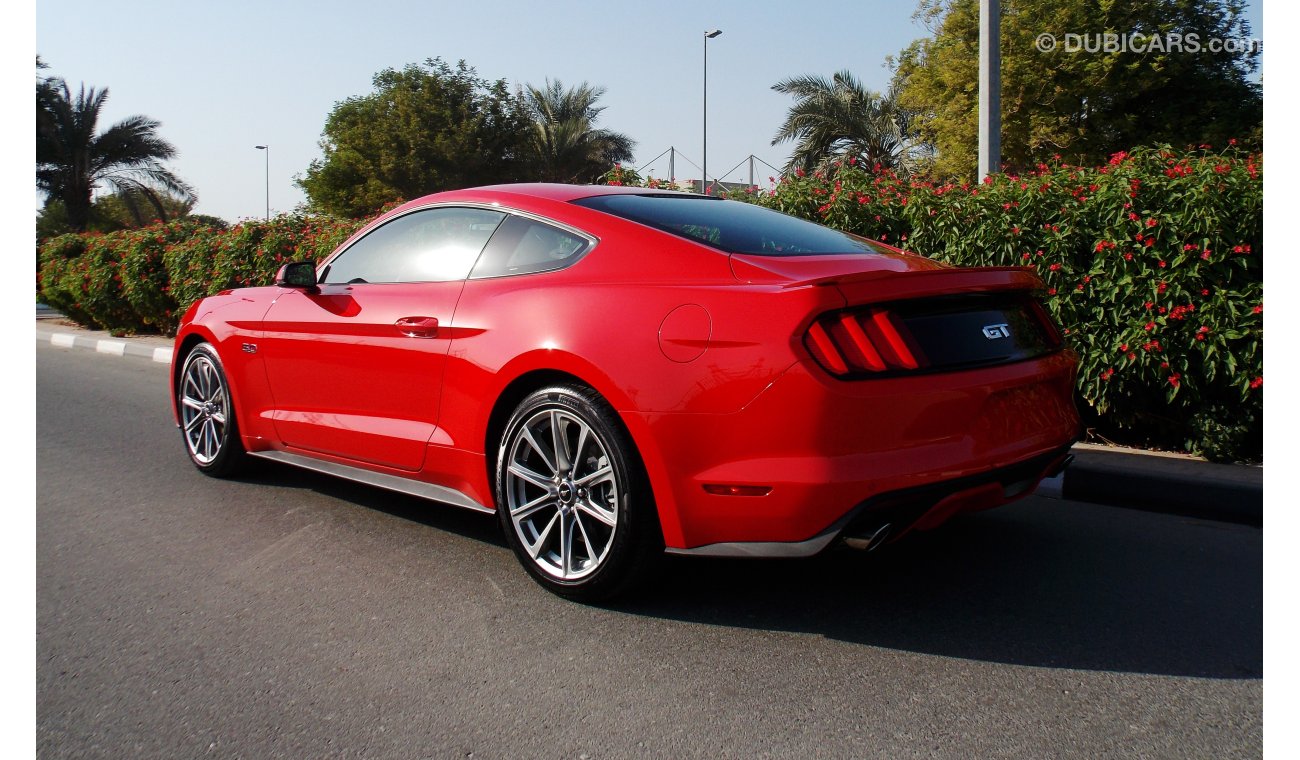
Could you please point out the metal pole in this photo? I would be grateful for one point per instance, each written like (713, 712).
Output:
(672, 165)
(990, 101)
(267, 148)
(751, 169)
(704, 181)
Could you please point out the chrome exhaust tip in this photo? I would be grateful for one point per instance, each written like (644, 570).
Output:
(872, 542)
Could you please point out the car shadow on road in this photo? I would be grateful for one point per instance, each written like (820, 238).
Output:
(457, 520)
(1041, 583)
(1044, 584)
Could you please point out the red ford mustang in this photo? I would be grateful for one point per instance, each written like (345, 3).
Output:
(616, 372)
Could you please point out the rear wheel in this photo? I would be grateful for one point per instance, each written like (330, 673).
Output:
(207, 414)
(571, 495)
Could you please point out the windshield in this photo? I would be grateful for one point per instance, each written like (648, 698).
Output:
(731, 226)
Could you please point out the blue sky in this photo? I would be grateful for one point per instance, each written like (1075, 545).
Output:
(223, 77)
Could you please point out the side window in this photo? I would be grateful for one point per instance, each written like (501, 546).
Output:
(525, 245)
(434, 245)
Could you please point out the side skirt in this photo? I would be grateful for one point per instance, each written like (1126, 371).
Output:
(377, 479)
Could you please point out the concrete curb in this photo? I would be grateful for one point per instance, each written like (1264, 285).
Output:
(1148, 482)
(1187, 487)
(114, 346)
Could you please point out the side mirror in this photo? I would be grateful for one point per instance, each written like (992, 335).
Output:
(297, 274)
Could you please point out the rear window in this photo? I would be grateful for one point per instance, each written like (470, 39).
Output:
(731, 226)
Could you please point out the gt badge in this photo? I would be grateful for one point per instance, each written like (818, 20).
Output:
(995, 332)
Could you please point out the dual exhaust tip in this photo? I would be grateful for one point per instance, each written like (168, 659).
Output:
(868, 543)
(872, 542)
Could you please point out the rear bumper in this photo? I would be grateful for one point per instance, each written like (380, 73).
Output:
(831, 451)
(890, 516)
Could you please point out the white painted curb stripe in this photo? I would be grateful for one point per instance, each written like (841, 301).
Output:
(115, 347)
(162, 355)
(63, 339)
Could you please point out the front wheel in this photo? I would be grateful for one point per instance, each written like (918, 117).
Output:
(571, 495)
(207, 414)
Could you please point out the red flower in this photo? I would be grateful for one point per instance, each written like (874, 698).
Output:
(1150, 326)
(1128, 257)
(1162, 287)
(1161, 264)
(1257, 382)
(1258, 309)
(1151, 222)
(1174, 378)
(1123, 347)
(1051, 291)
(1205, 291)
(1053, 267)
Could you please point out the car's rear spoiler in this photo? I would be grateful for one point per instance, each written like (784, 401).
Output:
(871, 287)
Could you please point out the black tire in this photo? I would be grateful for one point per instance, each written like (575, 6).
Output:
(603, 483)
(208, 427)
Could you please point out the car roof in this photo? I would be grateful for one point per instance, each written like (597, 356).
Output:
(557, 192)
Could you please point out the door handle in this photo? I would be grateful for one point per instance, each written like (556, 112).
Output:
(417, 327)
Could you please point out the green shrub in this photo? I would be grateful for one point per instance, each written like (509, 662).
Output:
(58, 276)
(144, 279)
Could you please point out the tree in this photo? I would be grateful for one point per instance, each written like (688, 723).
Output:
(425, 128)
(72, 160)
(836, 119)
(566, 144)
(47, 90)
(1082, 105)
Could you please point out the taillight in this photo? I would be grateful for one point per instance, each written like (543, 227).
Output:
(864, 341)
(937, 334)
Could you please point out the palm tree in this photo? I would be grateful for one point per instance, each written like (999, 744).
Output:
(566, 144)
(72, 160)
(835, 119)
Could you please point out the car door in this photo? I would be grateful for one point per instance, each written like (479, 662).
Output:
(355, 367)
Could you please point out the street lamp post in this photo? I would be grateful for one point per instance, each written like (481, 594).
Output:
(704, 182)
(267, 148)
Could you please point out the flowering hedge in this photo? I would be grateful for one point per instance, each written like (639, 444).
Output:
(1153, 265)
(143, 280)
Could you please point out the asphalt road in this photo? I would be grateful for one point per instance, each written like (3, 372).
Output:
(293, 615)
